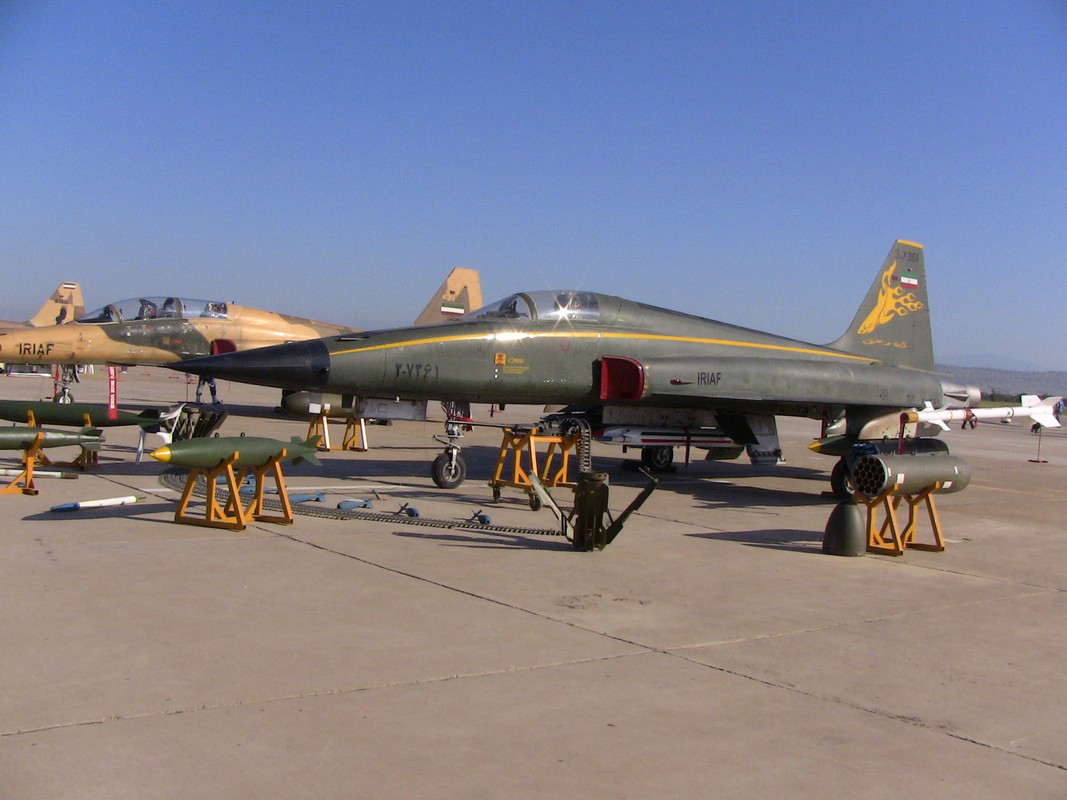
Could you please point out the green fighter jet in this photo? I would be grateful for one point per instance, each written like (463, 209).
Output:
(638, 374)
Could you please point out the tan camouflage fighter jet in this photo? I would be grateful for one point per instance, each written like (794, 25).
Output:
(153, 330)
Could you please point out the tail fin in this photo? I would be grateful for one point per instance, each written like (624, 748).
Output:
(93, 443)
(1042, 411)
(893, 324)
(307, 447)
(461, 292)
(63, 305)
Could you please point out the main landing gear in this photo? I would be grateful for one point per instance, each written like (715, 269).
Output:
(841, 485)
(657, 457)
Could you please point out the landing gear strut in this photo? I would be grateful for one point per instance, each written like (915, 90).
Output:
(449, 470)
(65, 375)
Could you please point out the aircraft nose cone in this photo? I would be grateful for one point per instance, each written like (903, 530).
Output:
(298, 365)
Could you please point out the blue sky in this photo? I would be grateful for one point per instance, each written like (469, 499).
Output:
(750, 162)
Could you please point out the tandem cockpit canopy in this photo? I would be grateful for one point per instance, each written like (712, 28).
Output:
(544, 305)
(141, 308)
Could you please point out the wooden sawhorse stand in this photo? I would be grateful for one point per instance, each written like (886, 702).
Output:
(899, 538)
(87, 459)
(524, 442)
(355, 436)
(234, 514)
(29, 460)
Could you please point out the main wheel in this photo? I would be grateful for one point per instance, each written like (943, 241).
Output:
(446, 473)
(657, 457)
(841, 481)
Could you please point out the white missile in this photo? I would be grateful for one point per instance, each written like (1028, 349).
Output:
(646, 437)
(102, 503)
(1032, 406)
(37, 473)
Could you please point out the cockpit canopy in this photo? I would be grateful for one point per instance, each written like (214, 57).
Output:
(141, 308)
(543, 305)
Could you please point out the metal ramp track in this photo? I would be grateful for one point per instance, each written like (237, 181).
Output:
(175, 479)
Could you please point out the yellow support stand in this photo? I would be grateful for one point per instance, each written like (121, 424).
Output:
(355, 435)
(254, 509)
(234, 515)
(87, 459)
(908, 534)
(523, 443)
(899, 538)
(29, 459)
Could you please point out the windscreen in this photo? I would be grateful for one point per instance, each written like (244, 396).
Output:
(144, 308)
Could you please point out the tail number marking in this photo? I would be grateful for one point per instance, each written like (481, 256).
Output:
(416, 372)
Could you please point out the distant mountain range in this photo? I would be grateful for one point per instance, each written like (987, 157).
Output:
(1008, 381)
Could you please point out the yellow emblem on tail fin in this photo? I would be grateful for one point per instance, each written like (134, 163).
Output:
(893, 301)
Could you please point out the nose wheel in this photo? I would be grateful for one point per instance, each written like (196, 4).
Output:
(65, 375)
(449, 470)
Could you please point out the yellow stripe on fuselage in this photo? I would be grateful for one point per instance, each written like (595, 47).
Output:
(656, 337)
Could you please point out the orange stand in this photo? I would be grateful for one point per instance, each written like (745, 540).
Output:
(522, 443)
(29, 458)
(355, 435)
(899, 538)
(86, 458)
(234, 515)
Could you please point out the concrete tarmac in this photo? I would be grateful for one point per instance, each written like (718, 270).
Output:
(712, 650)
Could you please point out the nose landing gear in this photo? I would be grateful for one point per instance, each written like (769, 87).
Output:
(64, 375)
(449, 470)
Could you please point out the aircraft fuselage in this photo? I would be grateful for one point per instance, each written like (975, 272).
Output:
(157, 340)
(630, 355)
